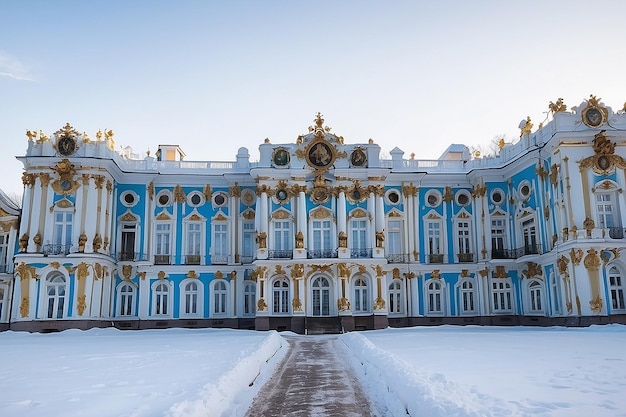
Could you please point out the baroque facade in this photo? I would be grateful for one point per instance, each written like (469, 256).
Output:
(320, 234)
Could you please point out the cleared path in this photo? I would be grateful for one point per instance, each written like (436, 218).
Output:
(312, 380)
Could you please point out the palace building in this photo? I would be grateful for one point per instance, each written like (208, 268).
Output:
(321, 235)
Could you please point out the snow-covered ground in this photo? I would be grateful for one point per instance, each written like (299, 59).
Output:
(494, 371)
(429, 371)
(107, 372)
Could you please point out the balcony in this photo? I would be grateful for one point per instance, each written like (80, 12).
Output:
(516, 253)
(465, 257)
(219, 259)
(361, 253)
(246, 259)
(398, 258)
(161, 259)
(616, 233)
(281, 254)
(192, 259)
(56, 249)
(436, 258)
(321, 253)
(503, 254)
(131, 256)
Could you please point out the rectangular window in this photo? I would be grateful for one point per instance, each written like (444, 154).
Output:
(463, 234)
(4, 243)
(321, 235)
(63, 228)
(359, 234)
(193, 238)
(128, 242)
(248, 242)
(606, 210)
(434, 238)
(530, 237)
(282, 235)
(220, 241)
(162, 239)
(394, 237)
(498, 234)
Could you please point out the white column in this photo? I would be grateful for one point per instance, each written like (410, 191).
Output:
(302, 217)
(341, 212)
(110, 218)
(35, 215)
(91, 213)
(416, 221)
(371, 208)
(380, 213)
(264, 212)
(26, 204)
(234, 221)
(409, 220)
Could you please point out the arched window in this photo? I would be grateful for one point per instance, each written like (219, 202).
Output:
(249, 298)
(280, 292)
(467, 296)
(219, 297)
(321, 296)
(434, 294)
(126, 299)
(502, 296)
(616, 284)
(395, 297)
(535, 297)
(190, 292)
(160, 299)
(361, 296)
(55, 293)
(3, 292)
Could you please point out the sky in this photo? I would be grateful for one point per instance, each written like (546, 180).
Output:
(436, 371)
(214, 76)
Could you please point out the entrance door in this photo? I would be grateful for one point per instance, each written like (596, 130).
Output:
(321, 296)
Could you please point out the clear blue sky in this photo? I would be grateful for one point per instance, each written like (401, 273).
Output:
(213, 76)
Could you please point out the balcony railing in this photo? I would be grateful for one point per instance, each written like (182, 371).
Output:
(361, 253)
(131, 256)
(281, 254)
(56, 249)
(436, 258)
(466, 257)
(397, 258)
(503, 254)
(246, 259)
(616, 233)
(516, 253)
(321, 253)
(192, 259)
(161, 259)
(219, 259)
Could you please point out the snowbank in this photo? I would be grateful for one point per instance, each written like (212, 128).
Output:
(404, 390)
(228, 396)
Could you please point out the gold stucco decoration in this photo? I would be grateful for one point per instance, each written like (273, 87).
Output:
(343, 304)
(179, 194)
(500, 272)
(261, 305)
(596, 304)
(127, 272)
(576, 255)
(533, 270)
(435, 274)
(604, 160)
(592, 260)
(557, 107)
